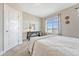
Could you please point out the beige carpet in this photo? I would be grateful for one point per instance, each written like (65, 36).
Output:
(20, 50)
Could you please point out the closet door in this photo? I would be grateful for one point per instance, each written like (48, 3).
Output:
(13, 27)
(6, 30)
(10, 27)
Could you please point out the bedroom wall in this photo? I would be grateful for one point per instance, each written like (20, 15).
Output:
(71, 29)
(30, 19)
(1, 28)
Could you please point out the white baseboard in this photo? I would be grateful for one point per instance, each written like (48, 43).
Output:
(1, 53)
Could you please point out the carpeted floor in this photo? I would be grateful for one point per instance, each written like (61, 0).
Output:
(20, 50)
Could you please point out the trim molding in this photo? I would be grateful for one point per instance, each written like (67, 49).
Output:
(1, 53)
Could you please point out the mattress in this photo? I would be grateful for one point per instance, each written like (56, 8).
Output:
(54, 46)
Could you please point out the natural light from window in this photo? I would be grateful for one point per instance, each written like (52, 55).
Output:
(52, 25)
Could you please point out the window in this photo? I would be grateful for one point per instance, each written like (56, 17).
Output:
(52, 25)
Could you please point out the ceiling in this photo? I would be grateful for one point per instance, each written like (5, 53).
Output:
(41, 9)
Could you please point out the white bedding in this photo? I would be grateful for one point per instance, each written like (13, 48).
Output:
(54, 46)
(34, 39)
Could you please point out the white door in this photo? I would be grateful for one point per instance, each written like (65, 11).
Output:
(13, 27)
(10, 27)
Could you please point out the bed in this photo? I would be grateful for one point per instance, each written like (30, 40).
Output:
(54, 45)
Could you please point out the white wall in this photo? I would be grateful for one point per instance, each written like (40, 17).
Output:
(30, 19)
(71, 29)
(1, 27)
